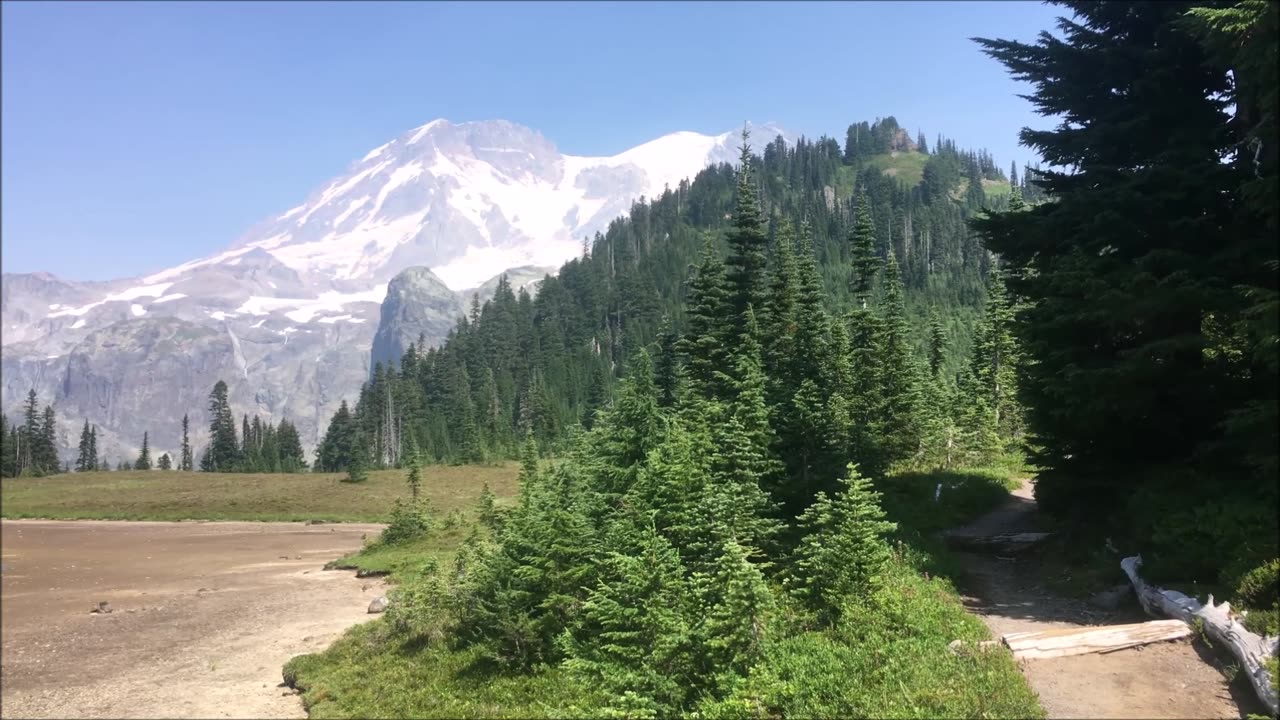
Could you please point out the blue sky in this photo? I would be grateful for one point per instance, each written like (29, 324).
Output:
(140, 135)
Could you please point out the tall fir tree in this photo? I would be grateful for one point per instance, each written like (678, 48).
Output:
(144, 456)
(83, 461)
(748, 241)
(1125, 273)
(185, 461)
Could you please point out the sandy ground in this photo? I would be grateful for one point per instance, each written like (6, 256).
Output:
(1179, 679)
(204, 615)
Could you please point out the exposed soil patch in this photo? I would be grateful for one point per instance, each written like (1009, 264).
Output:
(203, 615)
(1177, 679)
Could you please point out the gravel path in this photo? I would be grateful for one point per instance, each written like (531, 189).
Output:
(1179, 679)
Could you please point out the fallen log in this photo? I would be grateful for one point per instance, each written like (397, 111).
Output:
(1064, 642)
(1006, 543)
(1250, 649)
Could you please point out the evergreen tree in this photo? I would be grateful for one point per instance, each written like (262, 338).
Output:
(223, 454)
(995, 359)
(185, 460)
(745, 267)
(94, 463)
(27, 436)
(666, 365)
(627, 430)
(737, 607)
(1129, 328)
(633, 635)
(83, 461)
(414, 479)
(844, 552)
(336, 448)
(45, 450)
(744, 464)
(357, 469)
(703, 349)
(165, 463)
(144, 457)
(900, 391)
(862, 251)
(937, 344)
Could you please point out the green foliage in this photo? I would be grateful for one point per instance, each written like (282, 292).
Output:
(144, 456)
(633, 632)
(1259, 593)
(1147, 283)
(488, 509)
(844, 553)
(409, 520)
(895, 646)
(357, 468)
(414, 480)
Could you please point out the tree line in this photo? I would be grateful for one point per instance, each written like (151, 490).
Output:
(31, 448)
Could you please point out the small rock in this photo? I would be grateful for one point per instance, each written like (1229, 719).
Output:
(379, 604)
(297, 557)
(102, 608)
(284, 557)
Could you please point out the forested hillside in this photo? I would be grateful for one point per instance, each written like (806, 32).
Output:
(548, 363)
(713, 543)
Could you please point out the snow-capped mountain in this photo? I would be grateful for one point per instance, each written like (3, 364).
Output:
(287, 315)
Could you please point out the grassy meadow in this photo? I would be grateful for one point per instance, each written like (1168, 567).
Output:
(172, 495)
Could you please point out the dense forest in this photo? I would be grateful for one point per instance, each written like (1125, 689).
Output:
(548, 363)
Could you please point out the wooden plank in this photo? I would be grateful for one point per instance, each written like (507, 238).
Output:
(1249, 648)
(1064, 642)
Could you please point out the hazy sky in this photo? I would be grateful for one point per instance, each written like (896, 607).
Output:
(140, 135)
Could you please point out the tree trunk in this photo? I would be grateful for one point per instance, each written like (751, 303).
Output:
(1251, 650)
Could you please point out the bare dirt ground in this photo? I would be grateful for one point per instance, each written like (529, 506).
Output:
(1178, 679)
(204, 615)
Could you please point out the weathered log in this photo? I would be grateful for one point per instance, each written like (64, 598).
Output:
(1007, 543)
(1251, 650)
(1063, 642)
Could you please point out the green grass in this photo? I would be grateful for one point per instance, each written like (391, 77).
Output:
(905, 166)
(890, 660)
(404, 559)
(373, 673)
(171, 495)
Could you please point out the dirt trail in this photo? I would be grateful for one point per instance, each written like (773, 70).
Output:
(1179, 679)
(204, 615)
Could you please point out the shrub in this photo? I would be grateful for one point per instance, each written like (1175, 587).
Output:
(1259, 592)
(844, 552)
(422, 607)
(409, 520)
